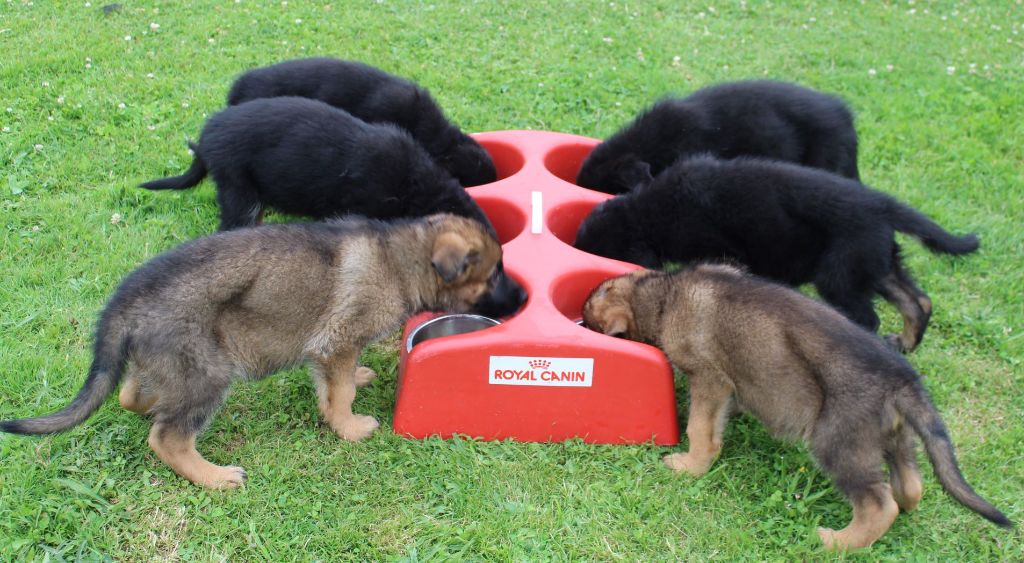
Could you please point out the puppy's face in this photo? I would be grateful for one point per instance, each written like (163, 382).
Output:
(470, 163)
(609, 309)
(607, 231)
(467, 262)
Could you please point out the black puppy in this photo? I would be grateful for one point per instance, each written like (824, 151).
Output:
(764, 118)
(376, 97)
(786, 222)
(304, 157)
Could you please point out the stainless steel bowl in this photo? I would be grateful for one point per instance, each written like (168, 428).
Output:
(448, 325)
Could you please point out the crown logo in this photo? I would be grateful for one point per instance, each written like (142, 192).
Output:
(540, 364)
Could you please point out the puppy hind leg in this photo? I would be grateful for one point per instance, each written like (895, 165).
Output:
(335, 381)
(904, 476)
(710, 400)
(133, 398)
(239, 202)
(854, 460)
(177, 419)
(835, 282)
(854, 305)
(177, 449)
(898, 288)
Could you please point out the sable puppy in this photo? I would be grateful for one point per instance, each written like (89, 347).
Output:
(790, 223)
(304, 157)
(776, 120)
(374, 96)
(804, 371)
(247, 303)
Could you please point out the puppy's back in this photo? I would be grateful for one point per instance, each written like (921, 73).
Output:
(762, 327)
(337, 82)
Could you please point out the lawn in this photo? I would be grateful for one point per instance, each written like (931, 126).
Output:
(92, 103)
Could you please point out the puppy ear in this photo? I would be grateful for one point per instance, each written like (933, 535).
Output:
(452, 255)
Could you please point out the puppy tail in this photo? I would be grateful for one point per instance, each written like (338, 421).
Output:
(908, 220)
(913, 403)
(110, 354)
(190, 178)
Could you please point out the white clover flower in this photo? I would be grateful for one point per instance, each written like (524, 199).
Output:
(6, 129)
(871, 72)
(121, 105)
(127, 37)
(889, 68)
(150, 75)
(60, 99)
(154, 26)
(115, 218)
(950, 70)
(38, 147)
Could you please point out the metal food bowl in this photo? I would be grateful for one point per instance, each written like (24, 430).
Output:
(448, 325)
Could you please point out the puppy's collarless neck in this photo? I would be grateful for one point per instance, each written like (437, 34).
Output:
(398, 243)
(649, 301)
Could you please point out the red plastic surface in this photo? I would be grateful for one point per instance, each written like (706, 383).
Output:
(445, 385)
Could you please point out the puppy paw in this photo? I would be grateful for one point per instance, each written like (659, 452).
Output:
(363, 376)
(829, 539)
(357, 428)
(685, 463)
(895, 342)
(223, 477)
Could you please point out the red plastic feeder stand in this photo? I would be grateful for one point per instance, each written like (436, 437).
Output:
(538, 376)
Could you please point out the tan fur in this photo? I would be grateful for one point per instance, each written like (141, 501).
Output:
(778, 355)
(247, 303)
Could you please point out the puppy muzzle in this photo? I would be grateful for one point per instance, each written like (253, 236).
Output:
(503, 298)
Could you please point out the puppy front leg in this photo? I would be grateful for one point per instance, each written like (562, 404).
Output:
(335, 380)
(710, 399)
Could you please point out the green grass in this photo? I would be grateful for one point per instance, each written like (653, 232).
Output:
(946, 141)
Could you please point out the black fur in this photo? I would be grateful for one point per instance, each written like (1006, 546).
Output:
(376, 97)
(786, 222)
(763, 118)
(305, 157)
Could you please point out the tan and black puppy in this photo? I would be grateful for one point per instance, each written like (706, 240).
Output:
(247, 303)
(803, 370)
